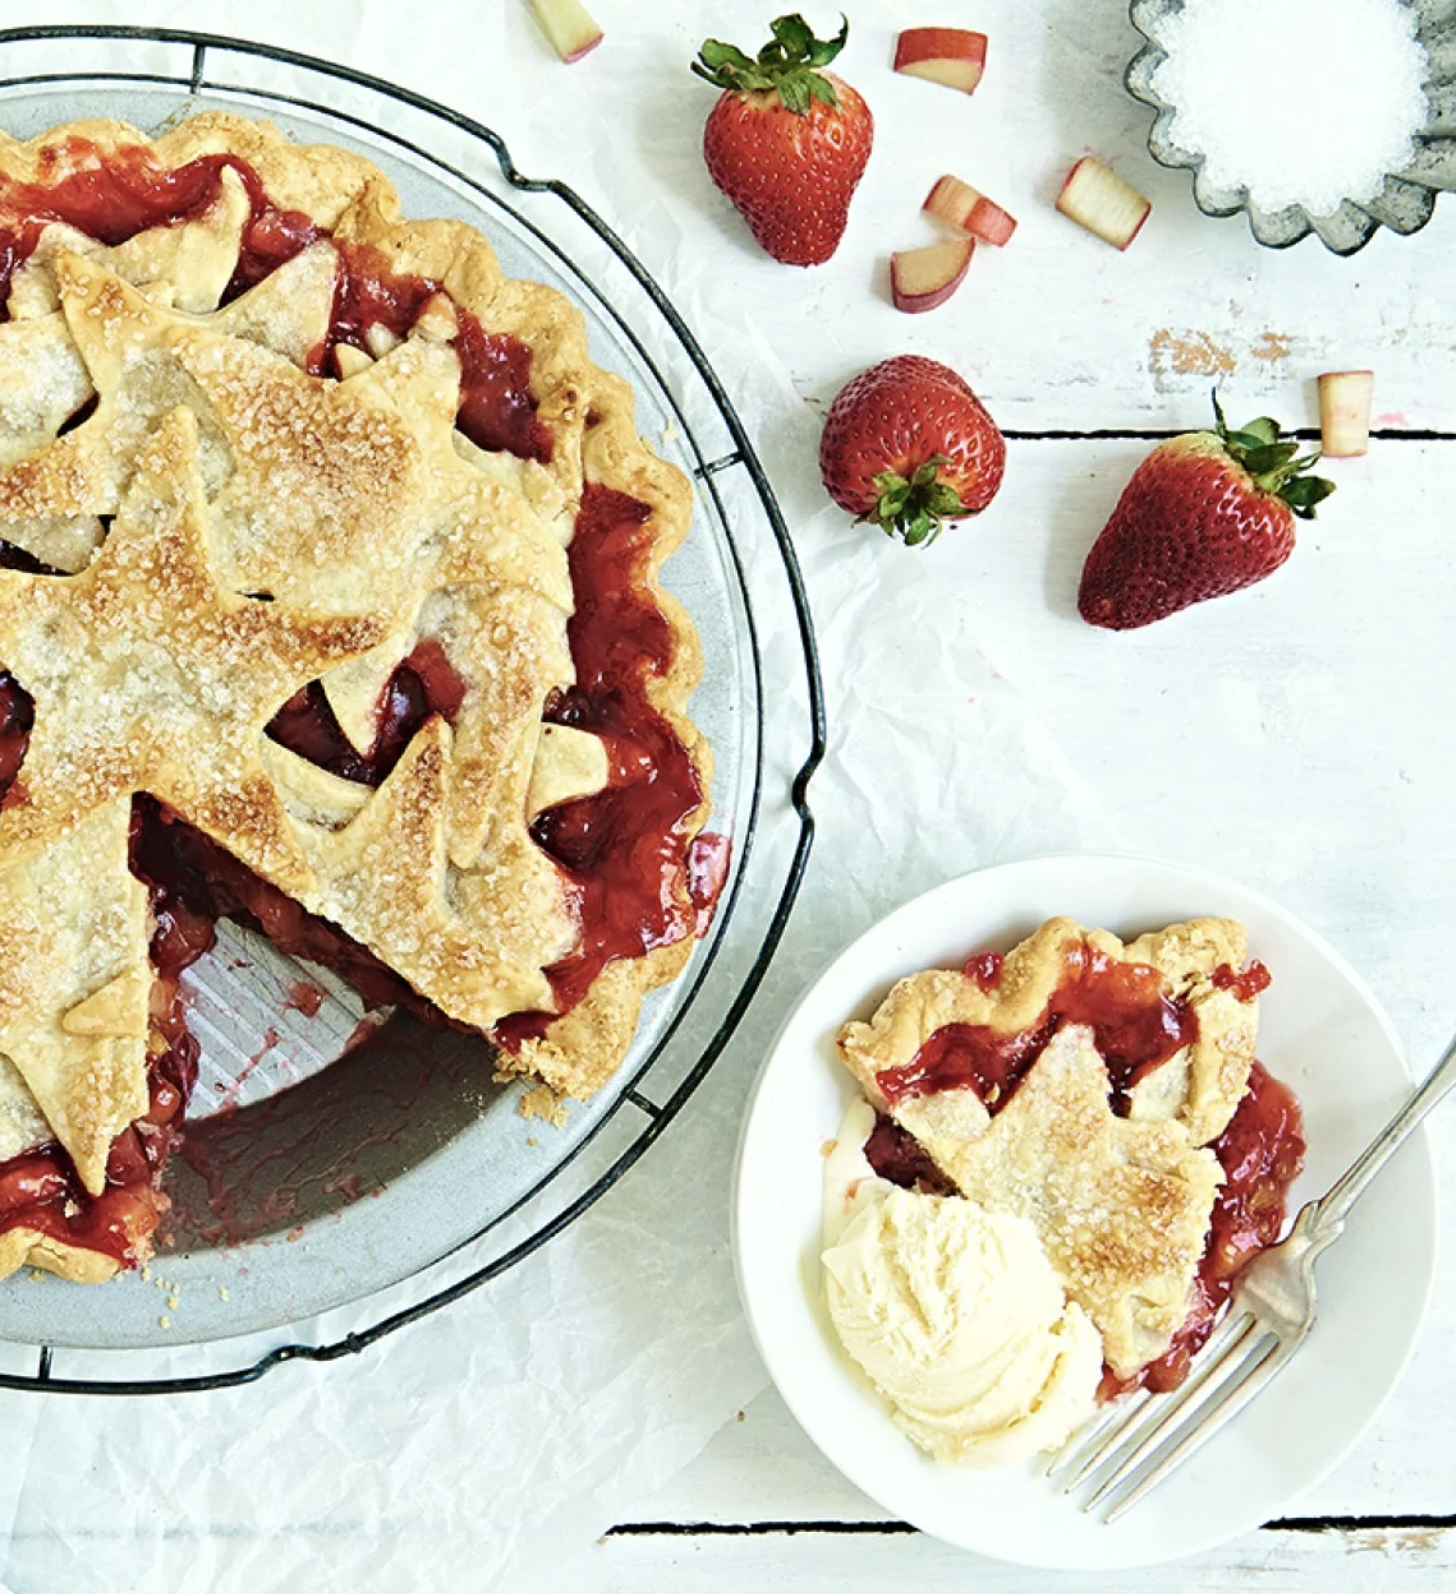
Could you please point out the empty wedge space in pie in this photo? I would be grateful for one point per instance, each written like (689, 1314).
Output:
(329, 602)
(1061, 1159)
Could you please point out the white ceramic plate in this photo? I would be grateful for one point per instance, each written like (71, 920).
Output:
(1321, 1031)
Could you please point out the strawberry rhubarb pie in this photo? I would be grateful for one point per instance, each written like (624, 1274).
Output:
(328, 603)
(1061, 1160)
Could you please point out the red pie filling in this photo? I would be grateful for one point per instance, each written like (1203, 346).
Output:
(1262, 1153)
(423, 684)
(643, 880)
(40, 1191)
(627, 845)
(1137, 1028)
(1247, 985)
(895, 1154)
(496, 408)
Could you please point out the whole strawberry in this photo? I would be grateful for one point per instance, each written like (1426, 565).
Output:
(786, 141)
(908, 445)
(1204, 514)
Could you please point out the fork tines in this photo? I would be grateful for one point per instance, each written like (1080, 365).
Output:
(1134, 1446)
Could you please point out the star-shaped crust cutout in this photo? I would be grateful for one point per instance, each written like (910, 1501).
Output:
(148, 677)
(74, 1007)
(1122, 1208)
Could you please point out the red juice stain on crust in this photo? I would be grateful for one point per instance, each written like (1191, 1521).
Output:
(985, 969)
(1136, 1028)
(626, 845)
(1262, 1154)
(1245, 986)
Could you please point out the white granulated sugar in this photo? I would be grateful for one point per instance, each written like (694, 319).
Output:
(1301, 102)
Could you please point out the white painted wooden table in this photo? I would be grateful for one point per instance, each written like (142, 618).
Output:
(1297, 737)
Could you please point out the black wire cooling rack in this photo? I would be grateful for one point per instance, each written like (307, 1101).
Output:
(207, 69)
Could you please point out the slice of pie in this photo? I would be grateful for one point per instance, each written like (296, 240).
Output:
(329, 601)
(1109, 1094)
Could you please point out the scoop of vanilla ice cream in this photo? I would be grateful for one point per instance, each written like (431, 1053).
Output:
(956, 1315)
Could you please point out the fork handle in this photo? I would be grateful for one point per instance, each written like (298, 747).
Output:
(1333, 1208)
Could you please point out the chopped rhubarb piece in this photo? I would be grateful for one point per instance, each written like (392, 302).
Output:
(1344, 400)
(964, 207)
(955, 57)
(569, 26)
(921, 279)
(1097, 198)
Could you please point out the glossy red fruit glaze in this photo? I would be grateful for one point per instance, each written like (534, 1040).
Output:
(127, 192)
(968, 1057)
(984, 968)
(625, 845)
(1189, 526)
(40, 1191)
(1135, 1026)
(425, 683)
(1246, 985)
(1262, 1154)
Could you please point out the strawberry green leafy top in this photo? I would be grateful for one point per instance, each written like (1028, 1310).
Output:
(1276, 467)
(788, 64)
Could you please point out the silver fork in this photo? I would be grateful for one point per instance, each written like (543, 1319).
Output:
(1137, 1445)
